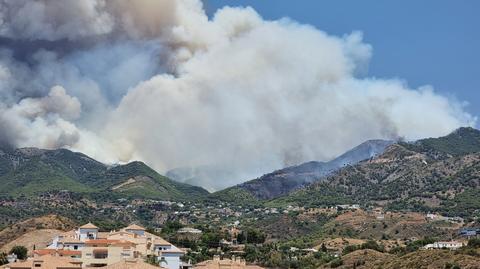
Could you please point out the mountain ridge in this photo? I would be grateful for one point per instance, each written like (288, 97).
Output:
(428, 175)
(32, 171)
(286, 180)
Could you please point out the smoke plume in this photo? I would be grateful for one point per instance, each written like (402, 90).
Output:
(161, 82)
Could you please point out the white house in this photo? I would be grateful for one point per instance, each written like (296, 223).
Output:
(448, 245)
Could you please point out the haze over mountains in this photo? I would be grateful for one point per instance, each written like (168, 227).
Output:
(32, 171)
(374, 170)
(286, 180)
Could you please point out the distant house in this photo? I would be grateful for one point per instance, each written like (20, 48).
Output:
(189, 230)
(452, 245)
(346, 207)
(469, 232)
(191, 234)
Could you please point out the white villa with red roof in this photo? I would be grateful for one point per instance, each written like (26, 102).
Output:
(97, 249)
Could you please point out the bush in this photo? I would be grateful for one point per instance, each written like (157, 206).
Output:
(20, 251)
(3, 258)
(474, 243)
(336, 263)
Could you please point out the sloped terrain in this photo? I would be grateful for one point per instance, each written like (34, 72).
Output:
(30, 226)
(284, 181)
(32, 171)
(419, 176)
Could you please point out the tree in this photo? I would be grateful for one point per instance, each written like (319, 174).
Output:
(3, 258)
(474, 243)
(323, 248)
(151, 259)
(20, 251)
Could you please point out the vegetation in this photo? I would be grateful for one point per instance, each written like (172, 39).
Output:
(20, 251)
(3, 258)
(41, 171)
(461, 142)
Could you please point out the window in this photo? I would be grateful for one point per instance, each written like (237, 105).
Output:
(75, 247)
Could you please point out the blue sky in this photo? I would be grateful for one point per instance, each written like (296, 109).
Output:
(433, 42)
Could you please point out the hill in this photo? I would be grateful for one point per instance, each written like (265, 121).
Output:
(24, 229)
(32, 171)
(434, 259)
(436, 174)
(286, 180)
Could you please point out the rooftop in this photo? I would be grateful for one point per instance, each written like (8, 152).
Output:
(135, 227)
(132, 264)
(88, 226)
(47, 261)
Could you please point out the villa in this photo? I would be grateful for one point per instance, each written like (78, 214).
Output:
(93, 248)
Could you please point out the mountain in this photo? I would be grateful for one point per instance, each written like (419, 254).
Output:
(33, 171)
(286, 180)
(435, 174)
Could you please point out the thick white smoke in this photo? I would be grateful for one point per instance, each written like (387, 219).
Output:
(160, 82)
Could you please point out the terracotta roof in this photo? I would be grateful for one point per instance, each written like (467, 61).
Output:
(60, 252)
(109, 242)
(132, 264)
(135, 227)
(88, 226)
(100, 241)
(161, 242)
(103, 234)
(71, 240)
(47, 261)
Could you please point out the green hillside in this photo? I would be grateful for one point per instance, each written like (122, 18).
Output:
(463, 141)
(32, 171)
(437, 174)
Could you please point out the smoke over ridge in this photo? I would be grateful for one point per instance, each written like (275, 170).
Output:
(160, 82)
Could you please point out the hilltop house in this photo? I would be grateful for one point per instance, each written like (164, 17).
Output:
(452, 245)
(95, 249)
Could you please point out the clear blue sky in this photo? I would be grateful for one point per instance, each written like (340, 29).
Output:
(434, 42)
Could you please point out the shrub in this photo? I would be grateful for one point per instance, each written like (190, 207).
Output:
(474, 243)
(20, 251)
(3, 258)
(336, 263)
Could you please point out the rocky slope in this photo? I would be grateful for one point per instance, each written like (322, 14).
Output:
(441, 173)
(286, 180)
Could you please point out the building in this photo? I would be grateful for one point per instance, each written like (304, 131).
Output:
(103, 252)
(217, 263)
(46, 262)
(57, 253)
(189, 230)
(95, 249)
(132, 264)
(470, 232)
(191, 234)
(452, 245)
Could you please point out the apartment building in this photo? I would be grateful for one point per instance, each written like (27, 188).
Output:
(97, 249)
